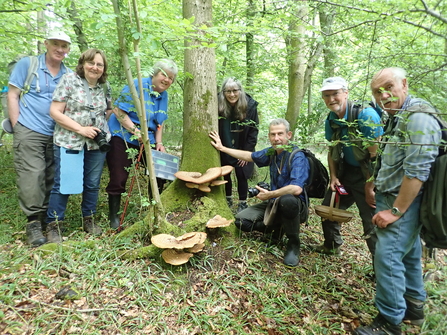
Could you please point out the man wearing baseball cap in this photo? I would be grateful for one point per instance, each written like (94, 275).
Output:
(348, 126)
(33, 130)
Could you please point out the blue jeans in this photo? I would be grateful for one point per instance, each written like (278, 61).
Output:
(93, 165)
(398, 261)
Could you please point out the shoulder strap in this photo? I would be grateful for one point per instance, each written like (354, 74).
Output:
(32, 71)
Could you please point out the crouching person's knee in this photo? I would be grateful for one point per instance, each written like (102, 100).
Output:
(244, 224)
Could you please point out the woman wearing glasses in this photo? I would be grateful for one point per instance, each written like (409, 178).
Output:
(79, 108)
(238, 129)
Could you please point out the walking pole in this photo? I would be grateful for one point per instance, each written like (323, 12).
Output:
(129, 192)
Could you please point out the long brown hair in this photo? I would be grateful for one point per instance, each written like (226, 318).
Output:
(224, 107)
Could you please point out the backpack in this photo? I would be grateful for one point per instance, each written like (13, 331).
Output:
(318, 175)
(433, 215)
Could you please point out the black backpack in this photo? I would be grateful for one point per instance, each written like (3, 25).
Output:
(318, 176)
(433, 213)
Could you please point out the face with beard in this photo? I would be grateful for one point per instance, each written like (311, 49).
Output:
(388, 91)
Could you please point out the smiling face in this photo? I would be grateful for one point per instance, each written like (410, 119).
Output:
(388, 91)
(232, 92)
(57, 50)
(162, 81)
(336, 100)
(278, 136)
(94, 69)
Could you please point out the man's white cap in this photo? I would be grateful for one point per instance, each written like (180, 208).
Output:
(59, 35)
(334, 83)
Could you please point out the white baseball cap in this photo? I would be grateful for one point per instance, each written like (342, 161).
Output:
(334, 83)
(59, 35)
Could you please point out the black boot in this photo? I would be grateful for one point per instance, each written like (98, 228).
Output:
(292, 254)
(34, 233)
(114, 207)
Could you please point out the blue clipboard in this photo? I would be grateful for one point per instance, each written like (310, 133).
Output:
(71, 171)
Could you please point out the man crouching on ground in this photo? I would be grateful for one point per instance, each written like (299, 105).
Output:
(283, 207)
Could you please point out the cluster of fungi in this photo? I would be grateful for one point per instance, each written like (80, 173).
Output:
(203, 182)
(178, 250)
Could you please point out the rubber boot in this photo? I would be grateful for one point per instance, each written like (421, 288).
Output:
(54, 232)
(34, 233)
(114, 207)
(292, 254)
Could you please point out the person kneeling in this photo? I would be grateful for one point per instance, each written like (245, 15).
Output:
(284, 206)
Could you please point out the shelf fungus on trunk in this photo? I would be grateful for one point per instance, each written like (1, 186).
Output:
(205, 181)
(217, 222)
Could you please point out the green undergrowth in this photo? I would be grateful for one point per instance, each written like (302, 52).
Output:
(237, 286)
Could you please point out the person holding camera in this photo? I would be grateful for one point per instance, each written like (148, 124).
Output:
(283, 207)
(126, 130)
(349, 126)
(238, 129)
(79, 107)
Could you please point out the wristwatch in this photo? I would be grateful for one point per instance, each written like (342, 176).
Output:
(396, 211)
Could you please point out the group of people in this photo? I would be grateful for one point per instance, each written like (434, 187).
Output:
(65, 115)
(385, 184)
(65, 122)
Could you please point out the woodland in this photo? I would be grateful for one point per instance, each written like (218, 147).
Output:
(281, 50)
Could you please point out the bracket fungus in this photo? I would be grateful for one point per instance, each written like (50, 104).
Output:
(217, 222)
(203, 182)
(175, 253)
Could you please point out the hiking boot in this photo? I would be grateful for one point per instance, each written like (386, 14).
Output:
(242, 205)
(34, 233)
(322, 249)
(380, 326)
(90, 227)
(414, 313)
(54, 232)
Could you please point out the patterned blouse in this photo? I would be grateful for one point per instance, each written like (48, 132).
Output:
(71, 91)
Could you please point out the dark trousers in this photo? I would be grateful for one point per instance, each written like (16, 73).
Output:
(119, 165)
(242, 184)
(354, 183)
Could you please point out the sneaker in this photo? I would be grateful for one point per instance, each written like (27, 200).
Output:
(90, 227)
(34, 233)
(322, 249)
(54, 232)
(242, 205)
(380, 326)
(414, 313)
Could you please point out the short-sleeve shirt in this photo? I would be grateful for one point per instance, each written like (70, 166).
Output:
(156, 105)
(280, 174)
(34, 107)
(71, 90)
(369, 121)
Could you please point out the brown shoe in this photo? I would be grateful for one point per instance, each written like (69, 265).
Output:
(54, 232)
(34, 233)
(90, 227)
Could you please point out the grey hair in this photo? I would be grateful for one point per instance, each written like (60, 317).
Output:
(398, 73)
(165, 65)
(277, 122)
(224, 107)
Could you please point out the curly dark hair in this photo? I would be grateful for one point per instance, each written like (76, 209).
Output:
(88, 56)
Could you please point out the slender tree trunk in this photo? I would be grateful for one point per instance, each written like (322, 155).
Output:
(326, 19)
(77, 26)
(250, 45)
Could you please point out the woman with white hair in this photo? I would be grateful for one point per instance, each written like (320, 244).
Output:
(238, 129)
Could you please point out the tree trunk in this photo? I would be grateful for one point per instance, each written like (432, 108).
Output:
(77, 26)
(326, 19)
(250, 45)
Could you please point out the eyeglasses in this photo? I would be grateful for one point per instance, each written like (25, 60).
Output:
(228, 92)
(98, 65)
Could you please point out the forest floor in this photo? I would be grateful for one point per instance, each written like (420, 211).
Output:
(240, 287)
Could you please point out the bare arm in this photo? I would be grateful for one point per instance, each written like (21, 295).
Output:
(239, 154)
(126, 122)
(407, 193)
(159, 139)
(13, 104)
(57, 113)
(289, 189)
(333, 167)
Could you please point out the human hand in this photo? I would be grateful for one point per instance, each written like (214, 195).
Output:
(384, 218)
(89, 132)
(217, 143)
(334, 182)
(263, 193)
(370, 197)
(160, 147)
(241, 163)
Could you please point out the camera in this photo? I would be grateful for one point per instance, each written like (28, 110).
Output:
(253, 191)
(101, 140)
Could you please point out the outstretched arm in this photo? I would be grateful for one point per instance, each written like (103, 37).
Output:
(239, 154)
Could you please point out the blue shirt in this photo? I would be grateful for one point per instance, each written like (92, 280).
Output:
(280, 174)
(411, 160)
(368, 119)
(34, 107)
(156, 111)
